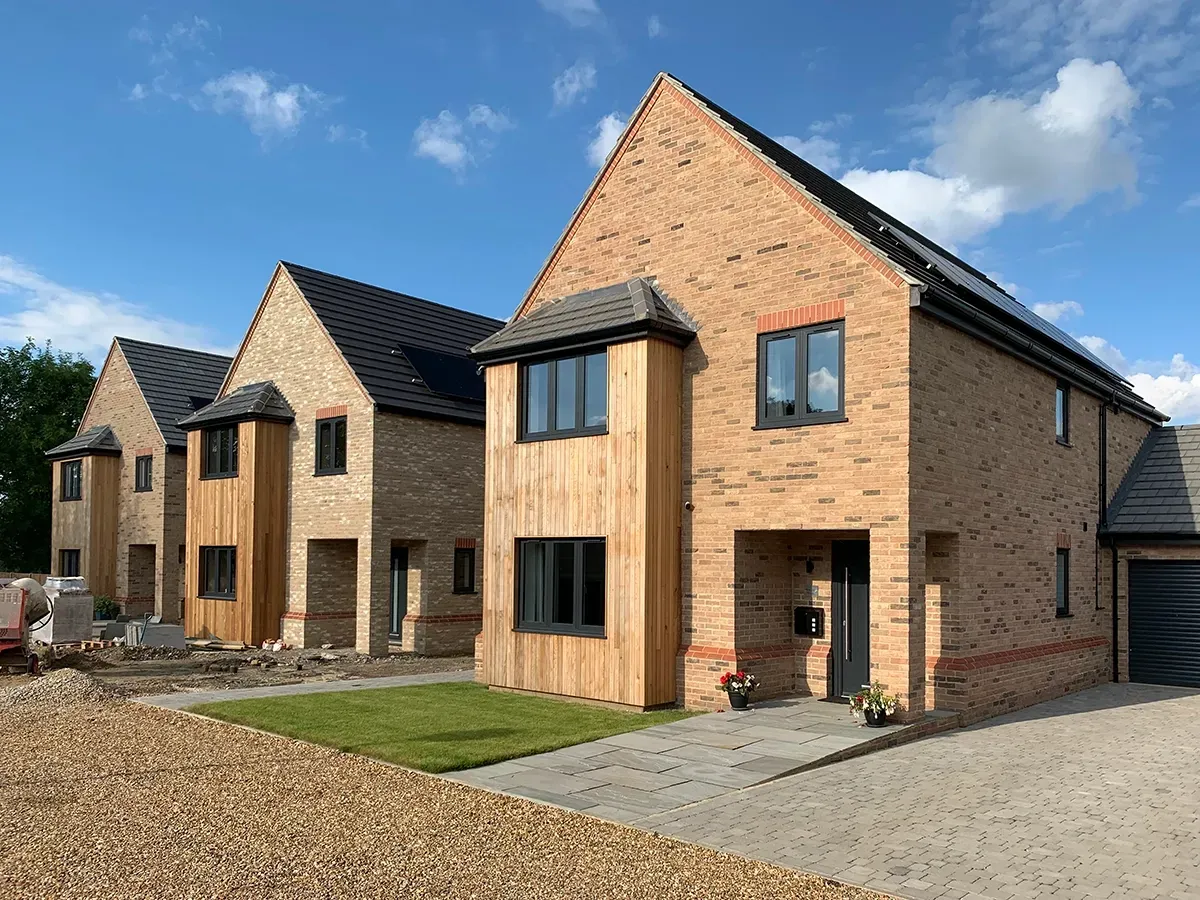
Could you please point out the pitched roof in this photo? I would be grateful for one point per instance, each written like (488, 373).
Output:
(374, 328)
(1160, 495)
(628, 308)
(98, 440)
(174, 381)
(261, 400)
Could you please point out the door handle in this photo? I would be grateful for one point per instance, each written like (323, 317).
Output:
(846, 615)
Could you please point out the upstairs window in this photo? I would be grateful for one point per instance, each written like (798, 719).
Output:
(800, 376)
(560, 586)
(464, 570)
(71, 478)
(1062, 581)
(331, 446)
(1062, 412)
(219, 449)
(68, 563)
(218, 572)
(143, 473)
(565, 397)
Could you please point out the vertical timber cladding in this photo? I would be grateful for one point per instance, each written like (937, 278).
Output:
(101, 564)
(248, 512)
(623, 486)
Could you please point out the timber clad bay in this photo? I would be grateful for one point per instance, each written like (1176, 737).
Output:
(622, 486)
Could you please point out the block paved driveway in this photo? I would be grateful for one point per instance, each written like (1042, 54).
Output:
(1096, 795)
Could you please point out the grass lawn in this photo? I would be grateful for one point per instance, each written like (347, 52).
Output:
(435, 727)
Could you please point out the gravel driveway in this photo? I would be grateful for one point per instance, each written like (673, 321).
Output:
(119, 800)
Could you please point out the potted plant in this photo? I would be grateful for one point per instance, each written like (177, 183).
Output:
(738, 686)
(873, 704)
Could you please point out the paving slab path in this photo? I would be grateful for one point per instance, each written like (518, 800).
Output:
(1095, 795)
(630, 777)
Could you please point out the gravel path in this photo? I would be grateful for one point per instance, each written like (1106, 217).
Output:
(119, 800)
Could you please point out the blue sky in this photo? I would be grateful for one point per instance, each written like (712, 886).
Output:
(159, 157)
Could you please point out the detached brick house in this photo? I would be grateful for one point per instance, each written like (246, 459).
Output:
(744, 418)
(118, 486)
(335, 487)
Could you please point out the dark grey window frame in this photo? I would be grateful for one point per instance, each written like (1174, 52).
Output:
(576, 629)
(1062, 586)
(331, 423)
(222, 470)
(800, 418)
(142, 484)
(1065, 390)
(64, 570)
(218, 558)
(467, 587)
(70, 486)
(552, 433)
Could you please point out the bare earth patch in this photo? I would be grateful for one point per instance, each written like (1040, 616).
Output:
(117, 800)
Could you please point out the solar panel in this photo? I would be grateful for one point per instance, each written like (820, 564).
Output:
(445, 374)
(956, 274)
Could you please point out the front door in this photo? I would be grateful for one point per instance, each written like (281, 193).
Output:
(399, 589)
(851, 616)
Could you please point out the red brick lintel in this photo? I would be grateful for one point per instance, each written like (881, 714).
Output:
(464, 543)
(1022, 654)
(828, 311)
(332, 412)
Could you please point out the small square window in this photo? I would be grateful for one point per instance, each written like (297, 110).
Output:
(1062, 583)
(71, 478)
(143, 473)
(219, 449)
(800, 376)
(1062, 413)
(218, 573)
(331, 446)
(68, 563)
(464, 570)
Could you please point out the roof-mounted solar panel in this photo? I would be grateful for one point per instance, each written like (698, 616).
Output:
(445, 374)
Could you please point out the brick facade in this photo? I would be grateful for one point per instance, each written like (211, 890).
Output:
(409, 482)
(947, 461)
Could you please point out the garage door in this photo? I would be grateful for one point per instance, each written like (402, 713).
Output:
(1164, 622)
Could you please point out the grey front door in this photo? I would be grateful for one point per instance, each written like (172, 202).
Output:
(851, 616)
(399, 589)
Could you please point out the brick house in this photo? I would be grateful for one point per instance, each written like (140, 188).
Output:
(743, 418)
(335, 493)
(118, 485)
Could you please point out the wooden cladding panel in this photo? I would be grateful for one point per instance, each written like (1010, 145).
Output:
(104, 481)
(248, 512)
(595, 486)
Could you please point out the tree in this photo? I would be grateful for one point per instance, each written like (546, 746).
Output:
(43, 394)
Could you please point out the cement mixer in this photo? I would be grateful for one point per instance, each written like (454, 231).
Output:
(24, 608)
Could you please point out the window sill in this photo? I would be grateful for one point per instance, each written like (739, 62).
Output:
(218, 477)
(143, 490)
(770, 426)
(1064, 615)
(1063, 443)
(69, 499)
(327, 472)
(561, 632)
(229, 597)
(560, 436)
(464, 593)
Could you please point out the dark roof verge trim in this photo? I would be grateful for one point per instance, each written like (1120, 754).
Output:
(618, 334)
(98, 440)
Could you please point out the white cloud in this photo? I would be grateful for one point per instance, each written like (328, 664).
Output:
(448, 140)
(344, 134)
(574, 84)
(76, 321)
(271, 110)
(997, 155)
(185, 35)
(608, 132)
(820, 151)
(654, 26)
(138, 92)
(1172, 387)
(1192, 202)
(1058, 312)
(577, 13)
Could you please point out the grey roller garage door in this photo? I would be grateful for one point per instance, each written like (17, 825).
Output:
(1164, 622)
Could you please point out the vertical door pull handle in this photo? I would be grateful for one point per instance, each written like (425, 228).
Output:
(846, 615)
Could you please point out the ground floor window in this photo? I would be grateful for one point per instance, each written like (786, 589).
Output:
(464, 570)
(560, 585)
(218, 572)
(68, 563)
(1063, 583)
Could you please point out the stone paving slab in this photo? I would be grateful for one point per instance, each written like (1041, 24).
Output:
(184, 699)
(629, 777)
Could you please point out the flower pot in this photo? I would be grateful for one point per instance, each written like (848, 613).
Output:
(738, 701)
(876, 718)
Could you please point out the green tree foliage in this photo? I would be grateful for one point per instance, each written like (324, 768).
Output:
(43, 394)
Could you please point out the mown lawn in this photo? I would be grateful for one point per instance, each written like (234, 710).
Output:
(434, 727)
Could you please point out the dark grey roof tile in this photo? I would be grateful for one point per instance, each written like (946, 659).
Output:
(98, 440)
(175, 382)
(1161, 492)
(261, 400)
